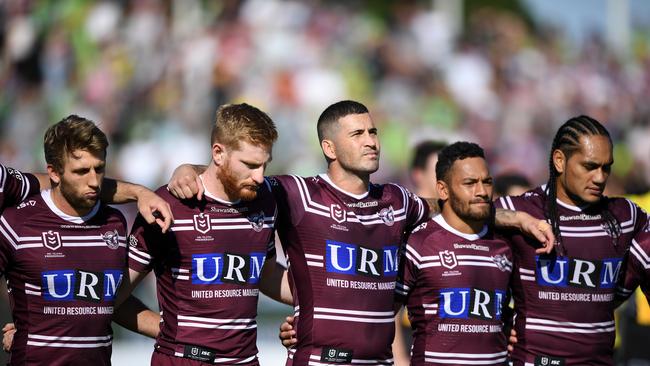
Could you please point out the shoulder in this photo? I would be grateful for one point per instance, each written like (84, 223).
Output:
(534, 198)
(29, 207)
(424, 234)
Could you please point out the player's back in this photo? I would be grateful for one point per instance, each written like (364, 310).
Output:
(455, 285)
(207, 275)
(62, 273)
(564, 301)
(342, 251)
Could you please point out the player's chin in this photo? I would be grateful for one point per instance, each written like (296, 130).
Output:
(247, 194)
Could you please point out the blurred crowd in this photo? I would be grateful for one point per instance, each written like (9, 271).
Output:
(153, 72)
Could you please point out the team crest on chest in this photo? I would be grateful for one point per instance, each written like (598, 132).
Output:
(202, 223)
(387, 215)
(112, 239)
(257, 221)
(448, 259)
(502, 262)
(51, 240)
(337, 213)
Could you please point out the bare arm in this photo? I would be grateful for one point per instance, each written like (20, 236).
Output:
(527, 224)
(274, 282)
(400, 354)
(137, 317)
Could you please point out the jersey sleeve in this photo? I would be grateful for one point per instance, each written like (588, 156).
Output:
(637, 272)
(8, 244)
(145, 244)
(417, 209)
(15, 186)
(408, 270)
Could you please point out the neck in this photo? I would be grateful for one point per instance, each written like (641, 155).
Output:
(349, 181)
(565, 197)
(463, 225)
(62, 204)
(214, 185)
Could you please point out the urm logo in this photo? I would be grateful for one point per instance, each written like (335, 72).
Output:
(356, 259)
(471, 303)
(218, 268)
(575, 272)
(76, 284)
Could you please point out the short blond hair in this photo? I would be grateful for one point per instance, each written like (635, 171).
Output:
(243, 122)
(70, 134)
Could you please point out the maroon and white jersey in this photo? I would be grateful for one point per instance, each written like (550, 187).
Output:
(638, 266)
(342, 251)
(15, 186)
(62, 273)
(564, 303)
(455, 286)
(207, 274)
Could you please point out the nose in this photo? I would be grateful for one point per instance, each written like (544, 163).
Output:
(481, 190)
(93, 179)
(600, 177)
(371, 141)
(258, 175)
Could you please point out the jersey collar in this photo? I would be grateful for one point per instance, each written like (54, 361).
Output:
(47, 197)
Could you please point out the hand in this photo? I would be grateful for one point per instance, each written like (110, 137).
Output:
(512, 340)
(538, 229)
(154, 209)
(185, 183)
(8, 332)
(287, 334)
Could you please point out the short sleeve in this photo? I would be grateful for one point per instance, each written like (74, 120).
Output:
(15, 186)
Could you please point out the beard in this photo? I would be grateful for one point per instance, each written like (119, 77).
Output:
(467, 212)
(234, 188)
(79, 203)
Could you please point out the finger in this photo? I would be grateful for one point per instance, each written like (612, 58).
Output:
(289, 319)
(286, 327)
(177, 192)
(148, 216)
(199, 188)
(187, 191)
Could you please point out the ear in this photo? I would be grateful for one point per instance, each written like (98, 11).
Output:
(443, 190)
(329, 149)
(559, 160)
(54, 176)
(219, 153)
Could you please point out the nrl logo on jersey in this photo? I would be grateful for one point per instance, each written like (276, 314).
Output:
(448, 259)
(202, 223)
(387, 215)
(337, 213)
(112, 239)
(51, 240)
(257, 221)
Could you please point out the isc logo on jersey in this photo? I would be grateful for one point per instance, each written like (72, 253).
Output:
(471, 303)
(356, 259)
(574, 272)
(218, 268)
(76, 284)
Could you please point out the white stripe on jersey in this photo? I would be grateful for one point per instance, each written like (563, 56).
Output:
(466, 358)
(139, 256)
(640, 254)
(569, 327)
(462, 260)
(69, 342)
(180, 273)
(322, 210)
(430, 309)
(3, 174)
(215, 323)
(357, 316)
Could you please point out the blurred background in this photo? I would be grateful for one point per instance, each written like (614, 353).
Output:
(503, 73)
